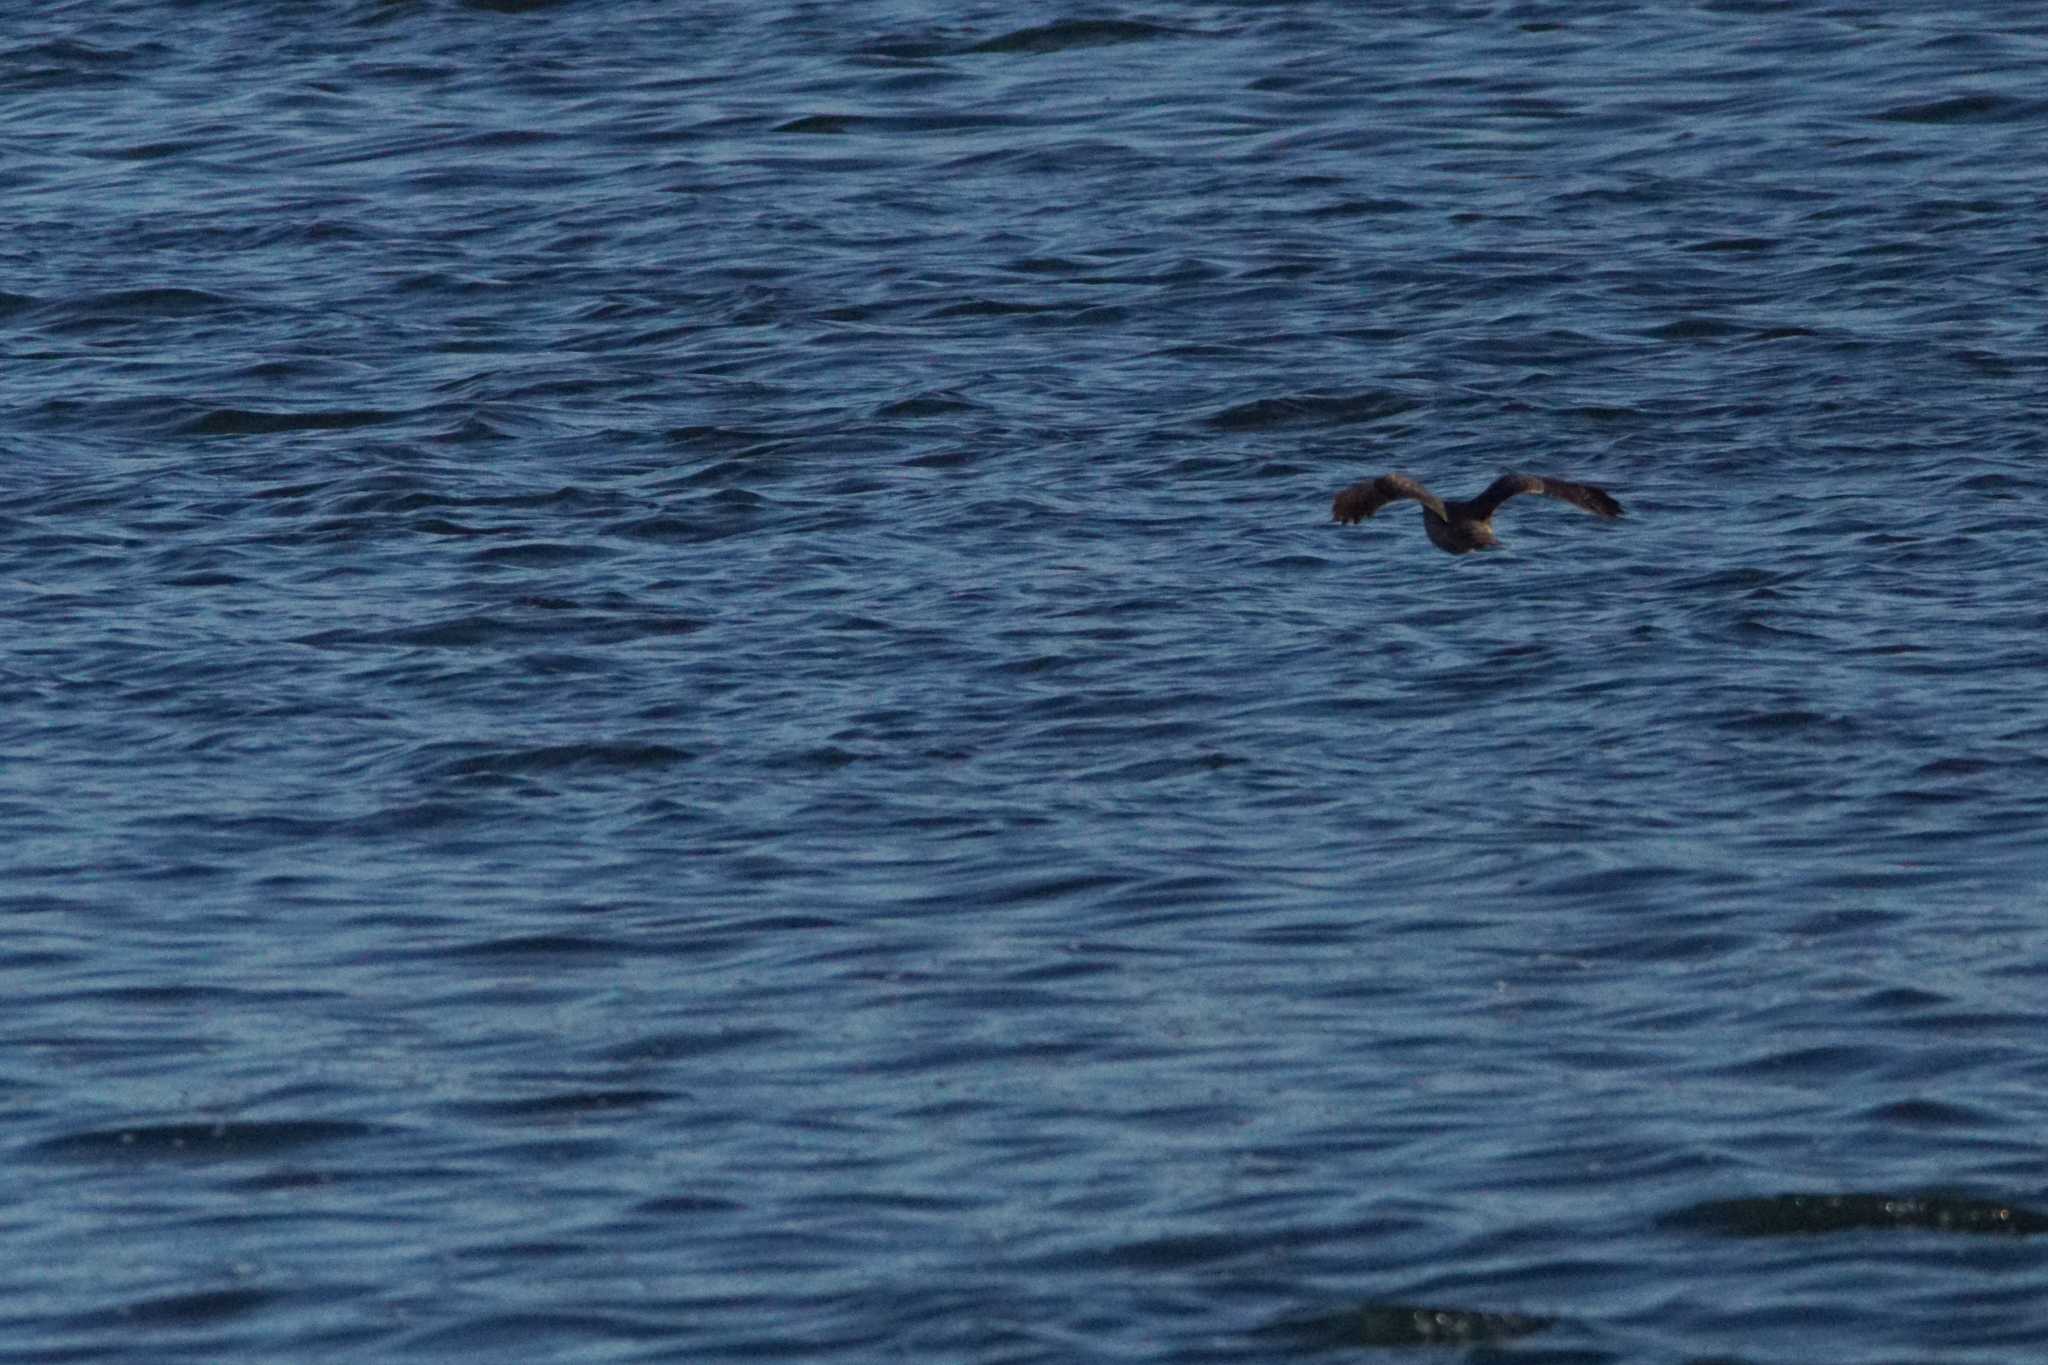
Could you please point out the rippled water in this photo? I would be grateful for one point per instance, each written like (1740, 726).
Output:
(676, 685)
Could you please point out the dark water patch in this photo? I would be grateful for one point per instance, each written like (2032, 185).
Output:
(471, 429)
(1059, 267)
(152, 151)
(940, 459)
(1280, 469)
(1910, 797)
(1605, 413)
(407, 820)
(1096, 316)
(1744, 245)
(442, 526)
(1957, 767)
(821, 123)
(388, 494)
(1161, 769)
(818, 758)
(1061, 971)
(224, 1141)
(197, 1309)
(1795, 1215)
(2001, 484)
(740, 440)
(687, 1206)
(1036, 664)
(575, 1104)
(1839, 920)
(1896, 1000)
(1006, 889)
(290, 1181)
(552, 758)
(686, 1043)
(1698, 329)
(540, 554)
(1780, 333)
(1972, 108)
(523, 1251)
(1932, 1114)
(1182, 1252)
(949, 1055)
(1361, 208)
(782, 924)
(517, 948)
(1262, 414)
(185, 995)
(166, 302)
(935, 404)
(94, 1047)
(1075, 33)
(64, 62)
(909, 48)
(1987, 1025)
(466, 632)
(1813, 1065)
(1782, 722)
(1392, 1326)
(997, 308)
(538, 1335)
(1898, 873)
(1670, 947)
(1992, 364)
(656, 624)
(1313, 933)
(242, 422)
(1752, 632)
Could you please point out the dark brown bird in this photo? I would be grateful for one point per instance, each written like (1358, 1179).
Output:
(1461, 527)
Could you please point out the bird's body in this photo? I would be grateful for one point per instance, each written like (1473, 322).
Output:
(1461, 527)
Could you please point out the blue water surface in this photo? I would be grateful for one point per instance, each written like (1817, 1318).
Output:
(675, 682)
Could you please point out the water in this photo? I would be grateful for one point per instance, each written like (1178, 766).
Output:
(675, 684)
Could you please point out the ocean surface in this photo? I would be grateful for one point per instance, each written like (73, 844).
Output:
(676, 685)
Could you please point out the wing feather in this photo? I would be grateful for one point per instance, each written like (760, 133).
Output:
(1598, 501)
(1368, 496)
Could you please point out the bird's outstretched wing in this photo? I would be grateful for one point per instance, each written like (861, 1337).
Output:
(1364, 498)
(1598, 501)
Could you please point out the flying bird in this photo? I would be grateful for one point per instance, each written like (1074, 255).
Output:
(1461, 527)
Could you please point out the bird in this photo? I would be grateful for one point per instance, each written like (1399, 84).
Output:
(1461, 527)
